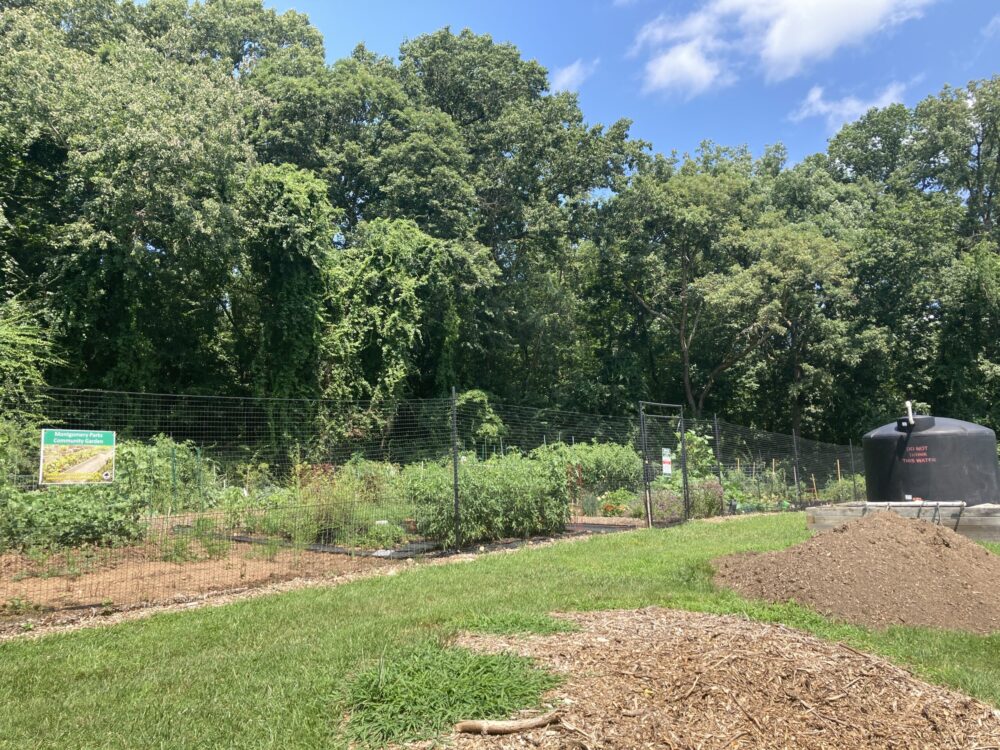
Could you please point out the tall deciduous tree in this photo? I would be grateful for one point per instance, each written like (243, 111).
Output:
(280, 290)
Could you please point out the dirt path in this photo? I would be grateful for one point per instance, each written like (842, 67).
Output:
(90, 465)
(32, 624)
(123, 578)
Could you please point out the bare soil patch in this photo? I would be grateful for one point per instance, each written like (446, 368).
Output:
(131, 576)
(880, 570)
(34, 623)
(658, 678)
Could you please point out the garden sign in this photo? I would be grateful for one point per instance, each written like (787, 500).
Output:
(77, 457)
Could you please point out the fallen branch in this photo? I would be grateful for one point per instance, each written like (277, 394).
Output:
(506, 727)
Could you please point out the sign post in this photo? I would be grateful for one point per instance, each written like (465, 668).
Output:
(76, 457)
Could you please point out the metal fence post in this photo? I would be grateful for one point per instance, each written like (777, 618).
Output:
(795, 468)
(647, 490)
(201, 486)
(173, 474)
(854, 473)
(454, 468)
(684, 468)
(718, 465)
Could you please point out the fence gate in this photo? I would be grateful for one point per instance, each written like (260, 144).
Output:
(663, 445)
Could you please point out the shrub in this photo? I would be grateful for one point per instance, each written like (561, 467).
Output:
(667, 499)
(617, 502)
(504, 496)
(706, 497)
(70, 516)
(705, 494)
(843, 491)
(593, 469)
(18, 456)
(167, 475)
(359, 504)
(597, 467)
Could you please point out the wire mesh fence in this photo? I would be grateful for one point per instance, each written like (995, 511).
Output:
(699, 468)
(202, 493)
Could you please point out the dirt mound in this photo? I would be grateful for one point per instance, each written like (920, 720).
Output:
(880, 570)
(667, 679)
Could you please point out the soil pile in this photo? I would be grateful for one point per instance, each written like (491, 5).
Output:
(880, 570)
(659, 678)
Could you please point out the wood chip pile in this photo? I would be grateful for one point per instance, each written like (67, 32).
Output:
(659, 678)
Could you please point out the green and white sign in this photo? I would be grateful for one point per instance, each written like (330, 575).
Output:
(77, 457)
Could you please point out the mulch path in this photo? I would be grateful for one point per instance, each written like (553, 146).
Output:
(658, 678)
(880, 570)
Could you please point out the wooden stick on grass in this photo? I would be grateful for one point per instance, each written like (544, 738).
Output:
(506, 727)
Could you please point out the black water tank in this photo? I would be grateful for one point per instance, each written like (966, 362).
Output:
(935, 459)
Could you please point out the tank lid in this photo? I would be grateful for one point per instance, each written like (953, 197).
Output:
(927, 423)
(921, 422)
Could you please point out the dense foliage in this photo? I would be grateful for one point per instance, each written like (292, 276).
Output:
(360, 503)
(193, 200)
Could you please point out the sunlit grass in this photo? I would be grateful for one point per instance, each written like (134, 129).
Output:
(275, 672)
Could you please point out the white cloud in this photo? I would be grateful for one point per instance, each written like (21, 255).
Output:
(683, 67)
(573, 75)
(781, 36)
(839, 111)
(993, 27)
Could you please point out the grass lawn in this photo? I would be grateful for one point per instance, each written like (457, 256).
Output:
(281, 671)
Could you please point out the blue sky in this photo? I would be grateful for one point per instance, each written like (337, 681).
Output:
(734, 71)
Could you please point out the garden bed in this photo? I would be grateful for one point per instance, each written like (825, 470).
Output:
(124, 577)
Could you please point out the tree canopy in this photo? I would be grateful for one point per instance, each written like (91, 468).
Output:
(193, 200)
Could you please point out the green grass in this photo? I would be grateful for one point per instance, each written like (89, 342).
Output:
(282, 671)
(426, 691)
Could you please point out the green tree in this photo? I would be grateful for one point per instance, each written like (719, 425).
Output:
(26, 352)
(956, 148)
(397, 322)
(277, 306)
(677, 239)
(968, 371)
(137, 158)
